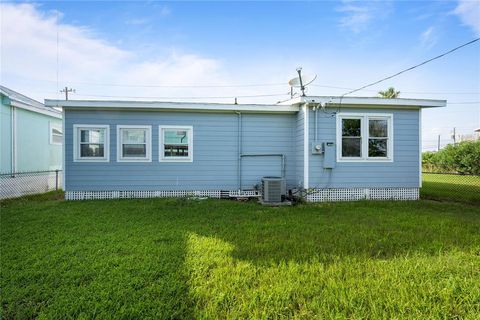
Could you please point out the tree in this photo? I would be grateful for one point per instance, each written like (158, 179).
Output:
(390, 93)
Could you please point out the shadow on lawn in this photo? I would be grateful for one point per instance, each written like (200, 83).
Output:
(378, 230)
(130, 258)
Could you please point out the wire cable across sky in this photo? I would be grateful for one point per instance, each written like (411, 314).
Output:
(413, 67)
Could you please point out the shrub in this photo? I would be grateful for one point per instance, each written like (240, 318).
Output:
(463, 158)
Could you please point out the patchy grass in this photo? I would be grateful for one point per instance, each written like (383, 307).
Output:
(451, 187)
(177, 258)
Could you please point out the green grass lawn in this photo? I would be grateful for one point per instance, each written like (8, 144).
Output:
(451, 187)
(178, 258)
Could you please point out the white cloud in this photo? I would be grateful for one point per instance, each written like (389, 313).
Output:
(29, 56)
(429, 37)
(358, 16)
(469, 13)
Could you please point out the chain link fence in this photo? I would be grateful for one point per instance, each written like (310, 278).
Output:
(23, 183)
(451, 187)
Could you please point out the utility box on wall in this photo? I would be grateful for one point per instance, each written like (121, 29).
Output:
(329, 155)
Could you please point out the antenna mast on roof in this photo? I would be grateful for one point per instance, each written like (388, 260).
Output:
(301, 81)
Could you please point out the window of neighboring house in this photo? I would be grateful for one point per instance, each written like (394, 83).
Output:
(91, 142)
(134, 143)
(56, 134)
(365, 137)
(176, 143)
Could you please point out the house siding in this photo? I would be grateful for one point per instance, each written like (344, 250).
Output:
(5, 137)
(299, 147)
(215, 151)
(34, 151)
(402, 172)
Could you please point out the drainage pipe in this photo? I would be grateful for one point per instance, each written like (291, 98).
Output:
(13, 128)
(239, 150)
(265, 155)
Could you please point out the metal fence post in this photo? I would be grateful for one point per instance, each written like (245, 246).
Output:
(56, 179)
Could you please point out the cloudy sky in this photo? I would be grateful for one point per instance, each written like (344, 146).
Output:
(198, 51)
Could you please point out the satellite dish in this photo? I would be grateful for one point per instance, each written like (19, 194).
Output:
(302, 80)
(306, 80)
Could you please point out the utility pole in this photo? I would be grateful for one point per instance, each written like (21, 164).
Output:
(454, 137)
(66, 90)
(438, 146)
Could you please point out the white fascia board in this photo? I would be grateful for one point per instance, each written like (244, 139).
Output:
(179, 106)
(362, 102)
(45, 111)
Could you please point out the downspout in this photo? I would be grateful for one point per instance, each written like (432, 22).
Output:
(13, 128)
(239, 150)
(306, 150)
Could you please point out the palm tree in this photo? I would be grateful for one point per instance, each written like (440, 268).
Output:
(390, 93)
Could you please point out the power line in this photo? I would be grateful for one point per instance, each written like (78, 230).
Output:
(184, 86)
(185, 98)
(413, 67)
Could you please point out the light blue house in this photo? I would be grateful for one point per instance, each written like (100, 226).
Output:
(326, 148)
(31, 134)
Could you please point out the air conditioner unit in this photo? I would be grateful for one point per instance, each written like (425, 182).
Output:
(272, 189)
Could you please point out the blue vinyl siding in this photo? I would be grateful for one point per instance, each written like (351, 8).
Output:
(299, 148)
(215, 147)
(402, 172)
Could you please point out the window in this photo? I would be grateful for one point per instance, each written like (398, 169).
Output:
(176, 143)
(56, 134)
(365, 137)
(91, 142)
(352, 137)
(134, 143)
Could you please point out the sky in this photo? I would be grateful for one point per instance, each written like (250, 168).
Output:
(215, 51)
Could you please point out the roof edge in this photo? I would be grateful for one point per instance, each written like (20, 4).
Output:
(369, 101)
(190, 106)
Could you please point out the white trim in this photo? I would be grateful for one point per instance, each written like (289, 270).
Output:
(76, 144)
(13, 138)
(148, 144)
(190, 106)
(306, 149)
(50, 128)
(161, 148)
(420, 148)
(64, 160)
(364, 118)
(45, 111)
(364, 102)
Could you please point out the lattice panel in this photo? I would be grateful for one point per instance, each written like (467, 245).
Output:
(355, 194)
(90, 195)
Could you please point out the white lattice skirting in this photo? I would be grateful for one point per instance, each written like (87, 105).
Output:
(318, 195)
(90, 195)
(355, 194)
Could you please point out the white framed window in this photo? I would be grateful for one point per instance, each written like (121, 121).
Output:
(56, 134)
(134, 143)
(176, 143)
(364, 137)
(91, 143)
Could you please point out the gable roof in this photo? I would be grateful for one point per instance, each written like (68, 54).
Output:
(21, 101)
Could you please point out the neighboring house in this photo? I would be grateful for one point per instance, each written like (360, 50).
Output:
(31, 134)
(330, 148)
